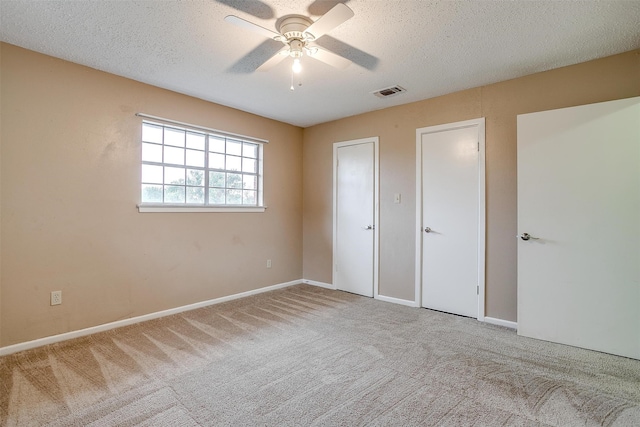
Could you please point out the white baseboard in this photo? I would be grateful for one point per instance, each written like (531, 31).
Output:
(319, 284)
(397, 301)
(500, 322)
(380, 297)
(117, 324)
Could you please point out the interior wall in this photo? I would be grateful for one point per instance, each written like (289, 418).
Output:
(604, 79)
(70, 173)
(0, 196)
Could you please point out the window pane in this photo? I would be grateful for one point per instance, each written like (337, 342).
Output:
(250, 150)
(249, 182)
(152, 174)
(174, 164)
(152, 133)
(234, 163)
(195, 140)
(173, 175)
(195, 195)
(248, 197)
(195, 177)
(151, 153)
(151, 193)
(216, 161)
(174, 137)
(195, 158)
(216, 144)
(173, 194)
(248, 165)
(234, 180)
(234, 197)
(217, 179)
(234, 147)
(174, 155)
(216, 196)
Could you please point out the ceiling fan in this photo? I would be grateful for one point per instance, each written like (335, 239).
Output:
(298, 33)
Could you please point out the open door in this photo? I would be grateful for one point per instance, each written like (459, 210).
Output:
(579, 225)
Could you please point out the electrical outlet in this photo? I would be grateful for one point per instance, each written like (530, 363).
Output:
(56, 297)
(268, 263)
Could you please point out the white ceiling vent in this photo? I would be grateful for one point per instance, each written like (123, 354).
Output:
(389, 91)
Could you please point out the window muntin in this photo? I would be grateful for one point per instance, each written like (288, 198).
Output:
(181, 166)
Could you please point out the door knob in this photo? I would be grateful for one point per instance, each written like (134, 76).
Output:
(427, 230)
(527, 236)
(370, 227)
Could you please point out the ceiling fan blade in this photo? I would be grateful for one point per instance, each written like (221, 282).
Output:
(352, 53)
(330, 58)
(330, 20)
(232, 19)
(275, 59)
(255, 7)
(256, 57)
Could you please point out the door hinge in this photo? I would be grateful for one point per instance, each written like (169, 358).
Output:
(478, 145)
(477, 289)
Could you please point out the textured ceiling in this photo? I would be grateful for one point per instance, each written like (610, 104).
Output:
(430, 48)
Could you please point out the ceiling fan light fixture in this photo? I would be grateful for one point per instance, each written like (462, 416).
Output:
(297, 66)
(296, 48)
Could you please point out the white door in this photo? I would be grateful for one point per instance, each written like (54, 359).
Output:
(354, 216)
(579, 199)
(450, 209)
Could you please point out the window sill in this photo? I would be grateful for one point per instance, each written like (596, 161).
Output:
(151, 208)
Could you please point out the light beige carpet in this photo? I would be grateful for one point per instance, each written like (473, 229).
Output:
(310, 356)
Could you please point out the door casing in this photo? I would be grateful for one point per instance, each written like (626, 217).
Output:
(480, 123)
(376, 210)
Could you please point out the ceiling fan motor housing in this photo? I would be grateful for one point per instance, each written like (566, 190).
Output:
(294, 27)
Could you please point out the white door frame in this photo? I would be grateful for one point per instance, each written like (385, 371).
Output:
(481, 207)
(376, 204)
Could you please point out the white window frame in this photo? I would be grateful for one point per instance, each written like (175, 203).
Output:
(191, 207)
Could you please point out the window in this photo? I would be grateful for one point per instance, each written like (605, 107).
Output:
(190, 168)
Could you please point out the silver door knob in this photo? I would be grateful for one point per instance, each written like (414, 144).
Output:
(527, 236)
(369, 227)
(427, 230)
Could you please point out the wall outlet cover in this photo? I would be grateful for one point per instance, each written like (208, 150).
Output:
(56, 297)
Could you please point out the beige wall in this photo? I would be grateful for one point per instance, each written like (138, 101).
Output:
(70, 171)
(596, 81)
